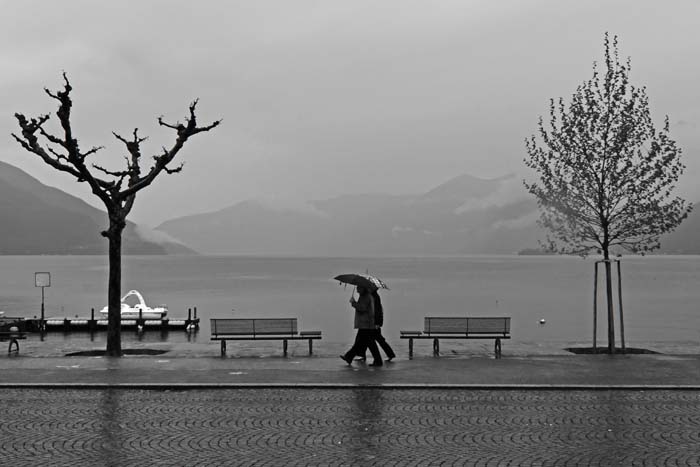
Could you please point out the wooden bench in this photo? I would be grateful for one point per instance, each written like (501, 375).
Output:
(456, 327)
(12, 329)
(252, 329)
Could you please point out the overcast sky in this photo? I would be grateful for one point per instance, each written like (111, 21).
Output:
(321, 98)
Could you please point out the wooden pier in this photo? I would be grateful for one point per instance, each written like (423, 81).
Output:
(77, 324)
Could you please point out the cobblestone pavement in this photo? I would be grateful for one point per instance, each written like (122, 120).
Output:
(118, 427)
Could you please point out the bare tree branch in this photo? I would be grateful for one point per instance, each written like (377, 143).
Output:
(175, 170)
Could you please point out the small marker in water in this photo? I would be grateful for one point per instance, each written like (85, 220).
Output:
(542, 322)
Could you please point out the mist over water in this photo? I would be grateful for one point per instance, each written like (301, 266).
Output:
(661, 293)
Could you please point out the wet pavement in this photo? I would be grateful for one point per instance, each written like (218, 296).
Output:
(575, 371)
(462, 408)
(354, 426)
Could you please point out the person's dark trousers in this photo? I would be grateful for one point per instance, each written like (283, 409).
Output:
(379, 339)
(364, 340)
(383, 344)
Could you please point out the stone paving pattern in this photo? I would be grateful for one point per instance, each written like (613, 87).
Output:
(362, 426)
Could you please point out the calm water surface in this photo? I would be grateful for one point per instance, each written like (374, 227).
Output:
(661, 293)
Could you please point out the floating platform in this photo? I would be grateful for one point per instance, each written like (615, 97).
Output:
(91, 324)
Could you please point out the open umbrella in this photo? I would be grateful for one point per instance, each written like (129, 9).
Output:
(362, 280)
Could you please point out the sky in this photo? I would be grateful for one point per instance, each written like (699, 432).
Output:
(322, 97)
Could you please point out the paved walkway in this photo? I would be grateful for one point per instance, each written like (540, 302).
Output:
(309, 410)
(361, 426)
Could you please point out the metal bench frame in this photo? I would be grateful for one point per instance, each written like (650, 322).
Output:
(253, 329)
(460, 327)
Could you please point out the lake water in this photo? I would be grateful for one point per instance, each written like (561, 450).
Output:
(661, 293)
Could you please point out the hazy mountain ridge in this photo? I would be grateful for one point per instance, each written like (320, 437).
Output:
(465, 215)
(41, 220)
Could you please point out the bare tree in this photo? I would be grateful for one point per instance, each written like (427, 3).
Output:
(116, 189)
(606, 174)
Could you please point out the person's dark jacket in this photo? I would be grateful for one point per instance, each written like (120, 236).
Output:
(378, 310)
(364, 312)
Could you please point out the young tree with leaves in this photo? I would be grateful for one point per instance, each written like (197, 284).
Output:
(606, 174)
(116, 189)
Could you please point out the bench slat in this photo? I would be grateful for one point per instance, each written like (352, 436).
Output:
(254, 326)
(466, 325)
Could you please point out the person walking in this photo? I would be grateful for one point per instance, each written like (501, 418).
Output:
(379, 322)
(366, 329)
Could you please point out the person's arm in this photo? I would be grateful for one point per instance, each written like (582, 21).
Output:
(362, 305)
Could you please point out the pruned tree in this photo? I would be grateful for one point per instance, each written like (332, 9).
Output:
(116, 189)
(606, 174)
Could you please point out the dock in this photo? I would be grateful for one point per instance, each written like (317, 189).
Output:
(90, 324)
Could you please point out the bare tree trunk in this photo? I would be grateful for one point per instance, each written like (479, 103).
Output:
(609, 294)
(114, 342)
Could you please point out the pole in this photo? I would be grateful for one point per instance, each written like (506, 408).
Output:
(42, 309)
(595, 309)
(619, 294)
(609, 301)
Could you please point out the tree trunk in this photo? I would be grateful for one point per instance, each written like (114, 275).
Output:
(114, 340)
(609, 294)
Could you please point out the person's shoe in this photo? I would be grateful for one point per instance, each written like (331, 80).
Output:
(388, 360)
(361, 359)
(346, 360)
(376, 363)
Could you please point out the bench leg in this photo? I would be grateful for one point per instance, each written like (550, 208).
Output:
(9, 348)
(223, 348)
(436, 347)
(410, 348)
(284, 347)
(497, 347)
(311, 346)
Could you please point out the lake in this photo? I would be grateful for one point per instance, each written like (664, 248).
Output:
(661, 293)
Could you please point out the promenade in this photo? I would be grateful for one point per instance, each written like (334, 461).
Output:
(465, 409)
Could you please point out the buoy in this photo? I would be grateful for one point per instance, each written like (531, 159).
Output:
(542, 322)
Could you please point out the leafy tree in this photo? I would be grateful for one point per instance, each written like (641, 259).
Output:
(116, 189)
(606, 174)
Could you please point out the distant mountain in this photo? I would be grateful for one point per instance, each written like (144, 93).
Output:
(36, 219)
(465, 215)
(465, 187)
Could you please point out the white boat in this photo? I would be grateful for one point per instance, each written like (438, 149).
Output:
(140, 309)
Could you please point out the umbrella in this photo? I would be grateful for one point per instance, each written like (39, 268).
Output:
(362, 280)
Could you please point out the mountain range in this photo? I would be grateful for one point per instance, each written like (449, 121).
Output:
(36, 219)
(464, 215)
